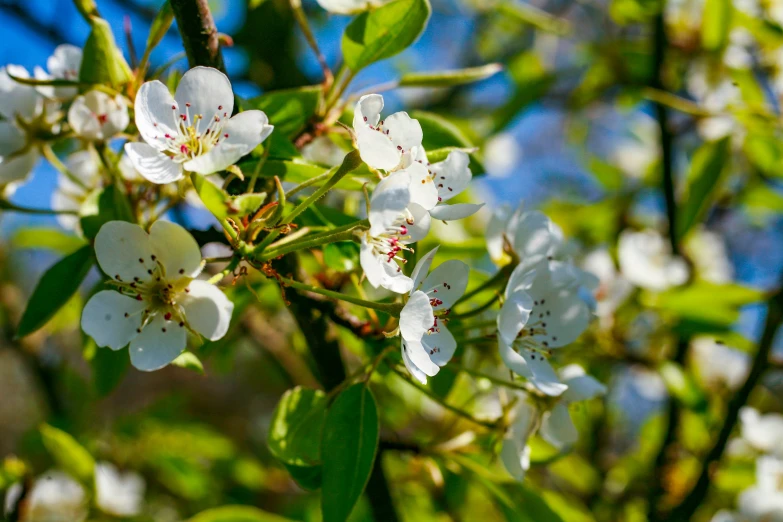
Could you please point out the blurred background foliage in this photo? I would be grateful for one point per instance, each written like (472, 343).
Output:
(597, 101)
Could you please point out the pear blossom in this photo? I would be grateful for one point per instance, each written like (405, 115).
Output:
(54, 497)
(538, 315)
(96, 116)
(707, 250)
(157, 298)
(349, 6)
(433, 184)
(394, 223)
(69, 195)
(613, 289)
(193, 130)
(763, 502)
(719, 365)
(553, 423)
(427, 344)
(515, 451)
(384, 144)
(64, 64)
(646, 261)
(21, 107)
(764, 433)
(502, 154)
(495, 234)
(117, 493)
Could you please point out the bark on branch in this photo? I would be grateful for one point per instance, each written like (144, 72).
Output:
(198, 32)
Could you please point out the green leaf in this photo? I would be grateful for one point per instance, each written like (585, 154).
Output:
(70, 456)
(449, 78)
(108, 368)
(715, 24)
(290, 109)
(213, 197)
(682, 386)
(528, 14)
(47, 239)
(160, 26)
(237, 514)
(608, 175)
(381, 33)
(707, 167)
(295, 433)
(342, 256)
(54, 289)
(189, 361)
(102, 61)
(705, 303)
(350, 439)
(308, 477)
(101, 206)
(246, 203)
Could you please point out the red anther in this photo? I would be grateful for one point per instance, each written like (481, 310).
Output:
(404, 229)
(184, 118)
(167, 136)
(138, 297)
(220, 107)
(187, 105)
(102, 118)
(184, 149)
(225, 135)
(173, 107)
(167, 316)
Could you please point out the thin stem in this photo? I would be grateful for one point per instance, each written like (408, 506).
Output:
(12, 207)
(760, 363)
(228, 270)
(251, 186)
(444, 404)
(494, 380)
(332, 236)
(389, 308)
(478, 310)
(308, 183)
(198, 32)
(499, 277)
(52, 158)
(304, 25)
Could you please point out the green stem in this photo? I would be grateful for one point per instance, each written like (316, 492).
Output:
(314, 240)
(257, 171)
(494, 380)
(444, 404)
(308, 183)
(389, 308)
(476, 311)
(52, 158)
(7, 205)
(228, 270)
(301, 19)
(492, 282)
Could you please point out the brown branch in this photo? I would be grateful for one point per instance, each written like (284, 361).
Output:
(198, 32)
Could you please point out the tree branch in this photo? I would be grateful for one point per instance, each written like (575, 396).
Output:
(760, 363)
(199, 34)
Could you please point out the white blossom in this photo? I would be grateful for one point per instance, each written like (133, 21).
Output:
(394, 222)
(157, 298)
(515, 451)
(763, 502)
(502, 154)
(384, 144)
(646, 260)
(613, 289)
(710, 259)
(194, 129)
(18, 103)
(763, 433)
(54, 497)
(64, 64)
(117, 493)
(349, 6)
(70, 196)
(96, 116)
(719, 365)
(537, 316)
(427, 344)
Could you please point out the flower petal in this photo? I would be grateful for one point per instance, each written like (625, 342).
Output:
(208, 310)
(382, 272)
(421, 222)
(452, 175)
(416, 317)
(513, 315)
(112, 319)
(581, 386)
(155, 113)
(12, 138)
(423, 191)
(515, 456)
(562, 315)
(17, 167)
(389, 199)
(16, 98)
(412, 368)
(440, 345)
(153, 165)
(447, 283)
(423, 267)
(368, 111)
(376, 149)
(557, 428)
(419, 357)
(534, 367)
(119, 494)
(209, 93)
(532, 236)
(124, 252)
(496, 229)
(159, 343)
(452, 212)
(65, 62)
(176, 250)
(404, 132)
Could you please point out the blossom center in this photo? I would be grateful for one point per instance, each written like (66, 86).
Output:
(195, 134)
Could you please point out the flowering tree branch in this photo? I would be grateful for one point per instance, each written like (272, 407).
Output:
(199, 34)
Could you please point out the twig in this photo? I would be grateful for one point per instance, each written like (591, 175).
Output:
(198, 32)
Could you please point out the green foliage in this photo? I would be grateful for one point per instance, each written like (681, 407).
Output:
(108, 368)
(350, 440)
(54, 289)
(189, 361)
(294, 435)
(449, 78)
(384, 32)
(237, 514)
(716, 24)
(706, 303)
(213, 197)
(709, 164)
(70, 456)
(46, 239)
(290, 109)
(682, 386)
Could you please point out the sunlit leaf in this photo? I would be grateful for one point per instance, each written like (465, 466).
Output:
(71, 457)
(237, 514)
